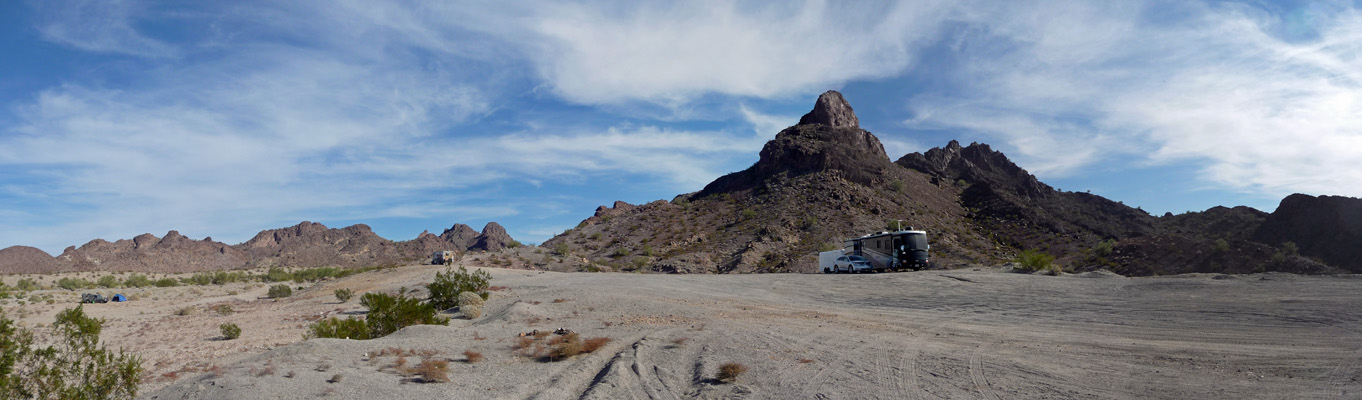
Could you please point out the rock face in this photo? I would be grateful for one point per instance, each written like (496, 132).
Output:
(1325, 227)
(460, 236)
(831, 110)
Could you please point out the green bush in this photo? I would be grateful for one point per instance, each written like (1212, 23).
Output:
(1032, 260)
(561, 249)
(336, 328)
(201, 278)
(74, 284)
(344, 294)
(1221, 246)
(137, 281)
(230, 331)
(276, 274)
(1104, 248)
(389, 313)
(1291, 248)
(166, 282)
(280, 291)
(78, 368)
(107, 281)
(444, 292)
(26, 285)
(748, 213)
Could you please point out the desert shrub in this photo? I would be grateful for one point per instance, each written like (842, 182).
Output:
(336, 328)
(191, 310)
(1278, 257)
(389, 313)
(276, 274)
(1221, 245)
(107, 281)
(230, 331)
(137, 281)
(596, 236)
(729, 372)
(444, 291)
(280, 291)
(1104, 248)
(620, 252)
(1291, 248)
(201, 278)
(315, 274)
(74, 284)
(472, 356)
(223, 309)
(809, 223)
(1032, 260)
(166, 282)
(896, 185)
(593, 344)
(561, 249)
(433, 371)
(748, 213)
(344, 294)
(26, 285)
(79, 367)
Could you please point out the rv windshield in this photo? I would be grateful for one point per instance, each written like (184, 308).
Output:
(916, 241)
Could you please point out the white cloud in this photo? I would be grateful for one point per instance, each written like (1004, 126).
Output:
(669, 54)
(1070, 85)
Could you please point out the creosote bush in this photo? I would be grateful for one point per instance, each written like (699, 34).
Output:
(77, 368)
(344, 294)
(730, 372)
(349, 328)
(280, 291)
(444, 291)
(230, 331)
(433, 371)
(1032, 260)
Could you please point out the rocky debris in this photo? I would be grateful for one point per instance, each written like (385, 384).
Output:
(1325, 227)
(1238, 223)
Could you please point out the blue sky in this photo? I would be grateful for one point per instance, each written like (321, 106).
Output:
(221, 119)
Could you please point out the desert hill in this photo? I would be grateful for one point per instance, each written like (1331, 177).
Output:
(824, 180)
(308, 244)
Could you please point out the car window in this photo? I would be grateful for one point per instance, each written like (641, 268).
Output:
(841, 258)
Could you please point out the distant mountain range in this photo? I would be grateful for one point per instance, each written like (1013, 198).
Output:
(308, 244)
(819, 182)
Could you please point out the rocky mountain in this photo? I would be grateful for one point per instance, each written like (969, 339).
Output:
(817, 183)
(824, 180)
(1328, 228)
(307, 244)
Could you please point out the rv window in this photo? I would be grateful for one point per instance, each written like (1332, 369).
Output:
(917, 241)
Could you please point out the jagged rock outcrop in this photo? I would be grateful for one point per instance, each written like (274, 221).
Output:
(831, 110)
(1325, 227)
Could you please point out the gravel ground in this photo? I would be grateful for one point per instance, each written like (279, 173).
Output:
(982, 333)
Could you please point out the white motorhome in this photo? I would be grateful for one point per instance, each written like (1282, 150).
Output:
(905, 249)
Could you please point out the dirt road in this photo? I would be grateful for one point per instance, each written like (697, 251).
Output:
(922, 335)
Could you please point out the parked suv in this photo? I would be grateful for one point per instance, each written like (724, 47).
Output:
(93, 298)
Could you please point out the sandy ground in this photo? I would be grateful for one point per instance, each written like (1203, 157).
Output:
(981, 333)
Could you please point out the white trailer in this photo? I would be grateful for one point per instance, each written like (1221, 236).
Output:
(827, 260)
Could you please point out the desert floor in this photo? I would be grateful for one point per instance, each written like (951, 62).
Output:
(976, 333)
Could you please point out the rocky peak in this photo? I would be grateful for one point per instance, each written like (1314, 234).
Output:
(977, 163)
(493, 237)
(831, 110)
(460, 235)
(1325, 227)
(826, 139)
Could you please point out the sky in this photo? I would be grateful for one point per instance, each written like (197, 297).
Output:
(222, 119)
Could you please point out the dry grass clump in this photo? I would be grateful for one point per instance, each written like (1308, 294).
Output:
(334, 378)
(472, 356)
(433, 371)
(187, 311)
(223, 309)
(593, 344)
(556, 348)
(561, 300)
(729, 372)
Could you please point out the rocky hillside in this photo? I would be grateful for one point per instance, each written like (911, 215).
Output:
(307, 244)
(1328, 228)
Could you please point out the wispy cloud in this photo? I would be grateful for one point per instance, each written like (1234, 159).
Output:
(99, 26)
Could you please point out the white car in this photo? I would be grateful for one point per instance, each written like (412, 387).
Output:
(852, 264)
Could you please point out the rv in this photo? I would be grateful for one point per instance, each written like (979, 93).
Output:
(892, 251)
(442, 257)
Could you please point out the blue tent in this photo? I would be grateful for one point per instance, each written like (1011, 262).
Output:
(118, 297)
